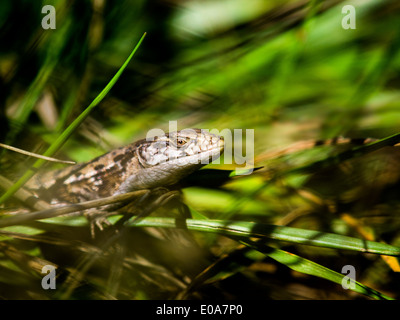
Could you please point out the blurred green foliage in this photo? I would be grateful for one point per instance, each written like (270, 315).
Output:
(286, 69)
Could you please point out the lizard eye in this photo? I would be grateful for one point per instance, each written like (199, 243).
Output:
(181, 142)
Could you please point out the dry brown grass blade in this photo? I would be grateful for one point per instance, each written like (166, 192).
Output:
(35, 155)
(71, 208)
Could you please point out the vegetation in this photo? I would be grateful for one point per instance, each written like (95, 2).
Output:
(286, 69)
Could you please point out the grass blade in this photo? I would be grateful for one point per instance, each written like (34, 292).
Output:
(241, 229)
(70, 129)
(35, 155)
(306, 266)
(346, 155)
(273, 232)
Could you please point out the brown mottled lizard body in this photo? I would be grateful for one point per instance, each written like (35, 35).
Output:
(145, 164)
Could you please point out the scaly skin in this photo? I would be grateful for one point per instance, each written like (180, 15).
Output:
(140, 165)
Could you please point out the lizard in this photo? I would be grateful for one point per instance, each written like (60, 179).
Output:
(145, 164)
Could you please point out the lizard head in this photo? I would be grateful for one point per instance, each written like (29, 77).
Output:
(166, 159)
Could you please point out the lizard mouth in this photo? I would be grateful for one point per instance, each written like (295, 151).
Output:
(181, 150)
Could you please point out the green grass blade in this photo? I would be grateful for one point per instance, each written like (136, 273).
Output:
(279, 233)
(70, 129)
(306, 266)
(346, 155)
(241, 230)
